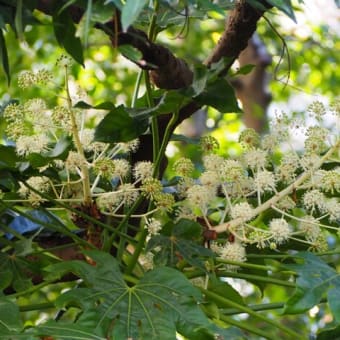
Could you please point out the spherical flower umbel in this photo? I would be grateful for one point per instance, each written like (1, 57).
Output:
(309, 228)
(164, 201)
(332, 207)
(26, 79)
(143, 170)
(249, 138)
(26, 145)
(231, 171)
(183, 167)
(210, 178)
(330, 181)
(200, 196)
(279, 230)
(212, 162)
(151, 187)
(104, 167)
(314, 199)
(243, 211)
(232, 252)
(255, 159)
(209, 144)
(127, 193)
(153, 226)
(317, 110)
(264, 181)
(122, 167)
(74, 161)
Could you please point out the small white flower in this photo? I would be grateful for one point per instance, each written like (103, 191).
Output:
(108, 201)
(128, 193)
(143, 170)
(309, 227)
(232, 252)
(255, 159)
(332, 207)
(26, 145)
(86, 137)
(243, 211)
(183, 167)
(153, 226)
(200, 196)
(279, 229)
(212, 162)
(74, 161)
(264, 181)
(231, 171)
(122, 167)
(210, 178)
(314, 199)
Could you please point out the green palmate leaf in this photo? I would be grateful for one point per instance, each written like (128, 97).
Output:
(315, 279)
(119, 126)
(69, 331)
(180, 241)
(4, 56)
(131, 12)
(151, 309)
(10, 321)
(16, 268)
(65, 33)
(220, 95)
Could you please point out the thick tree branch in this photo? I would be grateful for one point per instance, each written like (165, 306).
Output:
(240, 27)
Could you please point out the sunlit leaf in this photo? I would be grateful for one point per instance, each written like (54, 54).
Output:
(285, 6)
(315, 279)
(131, 12)
(65, 33)
(150, 309)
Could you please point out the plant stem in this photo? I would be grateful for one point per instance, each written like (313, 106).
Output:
(251, 277)
(136, 89)
(84, 169)
(134, 258)
(248, 277)
(38, 306)
(154, 121)
(257, 308)
(228, 303)
(246, 327)
(165, 141)
(245, 264)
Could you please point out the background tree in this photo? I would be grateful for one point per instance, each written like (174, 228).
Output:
(89, 232)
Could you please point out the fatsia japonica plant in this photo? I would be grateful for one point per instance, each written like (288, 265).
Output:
(99, 242)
